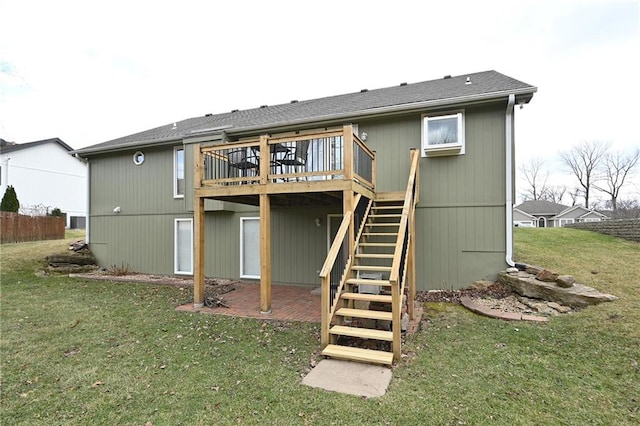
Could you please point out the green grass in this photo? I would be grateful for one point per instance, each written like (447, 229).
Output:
(83, 352)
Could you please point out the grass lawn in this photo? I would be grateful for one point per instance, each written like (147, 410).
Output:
(83, 352)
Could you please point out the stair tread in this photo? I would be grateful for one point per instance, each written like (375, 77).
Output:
(371, 268)
(377, 244)
(385, 298)
(386, 215)
(364, 313)
(358, 354)
(367, 281)
(381, 234)
(383, 224)
(375, 256)
(364, 333)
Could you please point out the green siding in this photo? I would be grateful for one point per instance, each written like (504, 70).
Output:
(460, 217)
(143, 189)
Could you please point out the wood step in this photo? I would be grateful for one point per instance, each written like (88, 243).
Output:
(377, 244)
(364, 313)
(385, 215)
(396, 207)
(382, 298)
(374, 256)
(383, 224)
(358, 354)
(381, 234)
(363, 333)
(366, 281)
(371, 268)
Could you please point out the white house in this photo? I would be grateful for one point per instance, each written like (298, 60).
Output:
(45, 176)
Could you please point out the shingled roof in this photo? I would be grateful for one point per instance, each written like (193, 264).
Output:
(449, 90)
(7, 147)
(541, 207)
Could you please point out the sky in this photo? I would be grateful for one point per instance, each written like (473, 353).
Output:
(92, 71)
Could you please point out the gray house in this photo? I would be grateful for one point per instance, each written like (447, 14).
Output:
(546, 214)
(379, 192)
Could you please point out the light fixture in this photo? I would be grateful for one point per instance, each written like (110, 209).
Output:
(318, 222)
(364, 136)
(116, 210)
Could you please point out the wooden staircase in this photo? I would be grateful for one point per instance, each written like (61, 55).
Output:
(361, 327)
(368, 277)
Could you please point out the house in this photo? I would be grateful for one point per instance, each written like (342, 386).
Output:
(380, 193)
(45, 176)
(546, 214)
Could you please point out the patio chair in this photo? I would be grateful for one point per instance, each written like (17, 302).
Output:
(296, 158)
(241, 161)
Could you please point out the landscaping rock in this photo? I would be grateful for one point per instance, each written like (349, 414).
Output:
(533, 270)
(578, 295)
(558, 307)
(547, 276)
(565, 281)
(482, 284)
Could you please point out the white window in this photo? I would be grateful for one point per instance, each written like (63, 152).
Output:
(183, 246)
(563, 222)
(178, 172)
(250, 247)
(443, 134)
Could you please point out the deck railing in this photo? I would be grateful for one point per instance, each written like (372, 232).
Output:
(308, 157)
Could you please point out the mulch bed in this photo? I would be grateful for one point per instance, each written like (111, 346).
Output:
(494, 291)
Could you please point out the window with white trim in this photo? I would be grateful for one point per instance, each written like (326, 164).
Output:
(443, 134)
(250, 247)
(183, 247)
(178, 172)
(563, 222)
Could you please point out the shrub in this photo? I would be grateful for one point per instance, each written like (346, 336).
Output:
(56, 212)
(10, 201)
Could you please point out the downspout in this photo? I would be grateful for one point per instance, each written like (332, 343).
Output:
(509, 180)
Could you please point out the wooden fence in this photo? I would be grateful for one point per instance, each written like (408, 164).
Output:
(16, 228)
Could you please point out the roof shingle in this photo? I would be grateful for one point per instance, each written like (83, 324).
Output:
(484, 85)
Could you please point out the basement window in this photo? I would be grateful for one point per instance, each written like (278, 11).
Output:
(443, 134)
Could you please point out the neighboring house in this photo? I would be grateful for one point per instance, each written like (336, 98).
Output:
(578, 214)
(395, 188)
(546, 214)
(45, 176)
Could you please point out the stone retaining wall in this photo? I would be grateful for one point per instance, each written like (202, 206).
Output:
(629, 229)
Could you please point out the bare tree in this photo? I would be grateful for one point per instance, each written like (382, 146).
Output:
(583, 161)
(536, 177)
(616, 168)
(574, 194)
(555, 193)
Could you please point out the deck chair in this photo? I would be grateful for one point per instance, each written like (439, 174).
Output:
(241, 161)
(296, 158)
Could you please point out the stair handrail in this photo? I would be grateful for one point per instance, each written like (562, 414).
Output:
(396, 290)
(328, 306)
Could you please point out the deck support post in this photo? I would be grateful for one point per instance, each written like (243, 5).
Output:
(198, 252)
(198, 229)
(265, 254)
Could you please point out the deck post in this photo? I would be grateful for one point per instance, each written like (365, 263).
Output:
(347, 206)
(198, 252)
(265, 254)
(396, 304)
(198, 230)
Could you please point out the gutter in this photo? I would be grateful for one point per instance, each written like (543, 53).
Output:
(509, 180)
